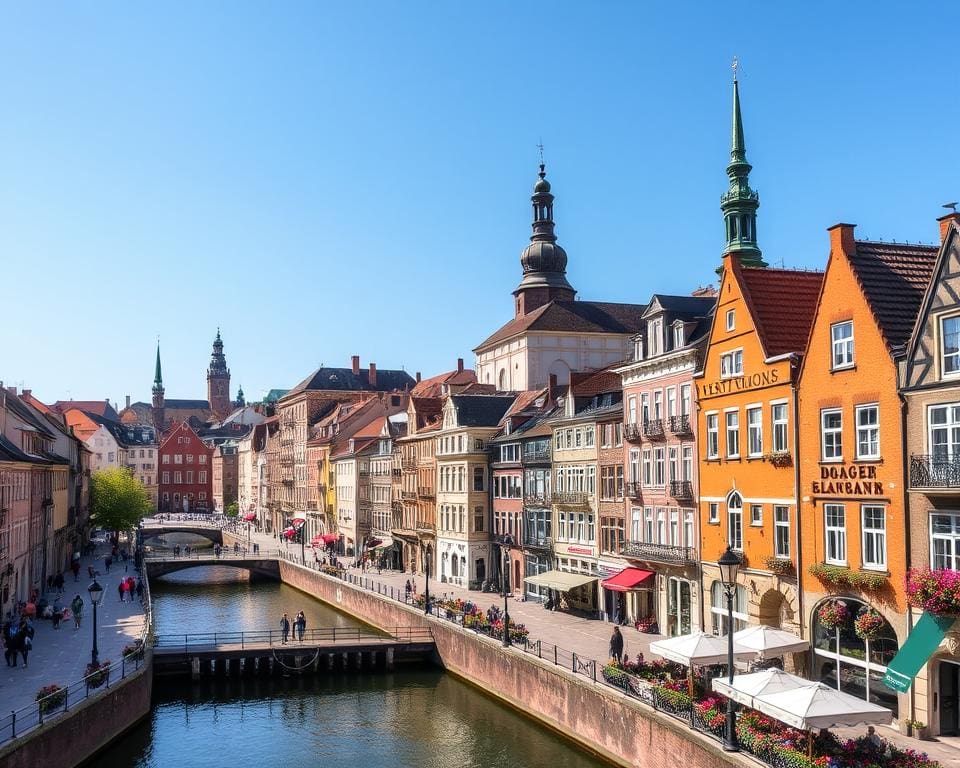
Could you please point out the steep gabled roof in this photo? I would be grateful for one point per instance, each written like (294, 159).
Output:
(782, 303)
(345, 380)
(29, 415)
(573, 317)
(695, 306)
(434, 386)
(10, 452)
(894, 278)
(481, 410)
(100, 407)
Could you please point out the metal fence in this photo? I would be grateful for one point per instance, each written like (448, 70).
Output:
(199, 641)
(20, 721)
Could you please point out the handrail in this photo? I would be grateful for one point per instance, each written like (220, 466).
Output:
(197, 641)
(207, 554)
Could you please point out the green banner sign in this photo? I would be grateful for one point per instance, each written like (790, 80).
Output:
(920, 646)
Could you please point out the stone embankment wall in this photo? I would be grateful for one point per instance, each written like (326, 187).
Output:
(87, 728)
(596, 716)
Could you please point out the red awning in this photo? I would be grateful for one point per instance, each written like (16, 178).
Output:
(250, 516)
(329, 538)
(297, 522)
(629, 579)
(289, 533)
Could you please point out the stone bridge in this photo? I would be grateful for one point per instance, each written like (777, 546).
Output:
(209, 532)
(264, 564)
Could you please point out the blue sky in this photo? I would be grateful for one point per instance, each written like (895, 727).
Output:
(322, 180)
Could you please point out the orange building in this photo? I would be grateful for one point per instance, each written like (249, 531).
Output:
(853, 499)
(746, 395)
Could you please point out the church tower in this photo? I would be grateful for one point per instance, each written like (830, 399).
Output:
(218, 381)
(544, 261)
(158, 413)
(739, 203)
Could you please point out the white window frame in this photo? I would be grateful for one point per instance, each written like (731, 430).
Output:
(781, 522)
(781, 427)
(735, 522)
(732, 433)
(842, 349)
(755, 431)
(836, 447)
(731, 320)
(948, 555)
(951, 428)
(713, 512)
(864, 432)
(878, 535)
(944, 356)
(731, 364)
(835, 535)
(756, 515)
(713, 435)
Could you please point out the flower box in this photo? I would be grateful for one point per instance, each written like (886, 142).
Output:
(97, 674)
(51, 697)
(780, 566)
(838, 575)
(937, 592)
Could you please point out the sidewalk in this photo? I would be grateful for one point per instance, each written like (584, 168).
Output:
(61, 655)
(586, 637)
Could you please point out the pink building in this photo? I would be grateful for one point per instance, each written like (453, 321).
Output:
(660, 462)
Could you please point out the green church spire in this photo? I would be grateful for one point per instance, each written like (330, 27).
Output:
(157, 375)
(739, 204)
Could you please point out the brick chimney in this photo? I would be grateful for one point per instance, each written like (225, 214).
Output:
(26, 392)
(372, 378)
(551, 387)
(945, 222)
(459, 365)
(128, 401)
(841, 238)
(356, 364)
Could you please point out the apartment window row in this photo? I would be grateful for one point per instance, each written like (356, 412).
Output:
(457, 444)
(611, 435)
(510, 452)
(654, 467)
(507, 487)
(181, 478)
(574, 437)
(578, 527)
(866, 424)
(612, 534)
(178, 458)
(536, 483)
(663, 525)
(576, 478)
(873, 535)
(756, 441)
(679, 402)
(755, 516)
(611, 482)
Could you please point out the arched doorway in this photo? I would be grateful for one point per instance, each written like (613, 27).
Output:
(455, 566)
(860, 664)
(771, 609)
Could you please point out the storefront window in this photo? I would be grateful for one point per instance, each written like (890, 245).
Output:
(718, 609)
(861, 664)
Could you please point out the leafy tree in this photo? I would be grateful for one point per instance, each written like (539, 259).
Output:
(118, 501)
(233, 509)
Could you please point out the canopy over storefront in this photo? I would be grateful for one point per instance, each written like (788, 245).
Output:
(819, 706)
(745, 688)
(250, 516)
(696, 649)
(630, 579)
(329, 538)
(560, 580)
(384, 542)
(769, 642)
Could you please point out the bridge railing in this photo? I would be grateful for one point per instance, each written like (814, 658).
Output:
(209, 641)
(208, 554)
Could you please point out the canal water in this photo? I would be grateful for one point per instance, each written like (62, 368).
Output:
(418, 717)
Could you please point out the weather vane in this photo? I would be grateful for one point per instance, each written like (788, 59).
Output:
(540, 147)
(734, 67)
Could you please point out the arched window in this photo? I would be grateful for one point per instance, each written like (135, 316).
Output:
(455, 566)
(718, 608)
(502, 380)
(561, 370)
(861, 664)
(735, 521)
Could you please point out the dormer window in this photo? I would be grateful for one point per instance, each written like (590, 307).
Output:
(678, 340)
(655, 333)
(638, 349)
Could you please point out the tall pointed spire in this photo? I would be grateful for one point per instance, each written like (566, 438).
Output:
(740, 203)
(158, 401)
(157, 374)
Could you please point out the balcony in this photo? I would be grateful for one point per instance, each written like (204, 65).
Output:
(571, 499)
(397, 507)
(653, 429)
(287, 481)
(408, 495)
(681, 490)
(286, 461)
(660, 553)
(634, 489)
(532, 541)
(408, 464)
(935, 472)
(425, 491)
(364, 473)
(533, 457)
(632, 432)
(396, 472)
(536, 500)
(680, 425)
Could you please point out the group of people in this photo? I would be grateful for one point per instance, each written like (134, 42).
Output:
(17, 640)
(299, 626)
(128, 587)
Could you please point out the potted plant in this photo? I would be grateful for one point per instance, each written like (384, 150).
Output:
(133, 651)
(780, 566)
(50, 697)
(868, 624)
(937, 592)
(97, 674)
(916, 728)
(833, 613)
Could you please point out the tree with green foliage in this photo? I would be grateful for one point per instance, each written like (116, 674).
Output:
(118, 501)
(233, 509)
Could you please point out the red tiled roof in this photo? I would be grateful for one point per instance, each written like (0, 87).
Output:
(99, 407)
(574, 317)
(597, 383)
(433, 387)
(782, 303)
(894, 277)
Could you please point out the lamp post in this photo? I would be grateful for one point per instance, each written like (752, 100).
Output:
(96, 595)
(505, 542)
(426, 583)
(730, 564)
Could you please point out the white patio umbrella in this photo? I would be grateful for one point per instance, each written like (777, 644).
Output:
(746, 687)
(697, 648)
(819, 706)
(769, 642)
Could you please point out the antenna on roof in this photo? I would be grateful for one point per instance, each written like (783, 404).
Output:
(950, 206)
(540, 147)
(735, 65)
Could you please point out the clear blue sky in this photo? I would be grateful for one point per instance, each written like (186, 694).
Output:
(322, 180)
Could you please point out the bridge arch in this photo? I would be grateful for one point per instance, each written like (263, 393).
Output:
(209, 533)
(267, 567)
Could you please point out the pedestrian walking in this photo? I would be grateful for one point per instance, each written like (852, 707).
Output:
(77, 607)
(407, 589)
(26, 642)
(139, 589)
(120, 589)
(108, 561)
(58, 582)
(301, 625)
(10, 643)
(75, 567)
(284, 628)
(57, 615)
(616, 645)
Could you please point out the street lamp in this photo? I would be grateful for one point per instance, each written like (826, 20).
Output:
(505, 542)
(730, 564)
(426, 576)
(96, 595)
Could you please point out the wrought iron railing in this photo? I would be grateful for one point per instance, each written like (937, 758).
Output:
(632, 432)
(634, 489)
(934, 471)
(660, 553)
(425, 490)
(653, 428)
(536, 455)
(571, 498)
(681, 489)
(680, 425)
(538, 542)
(536, 499)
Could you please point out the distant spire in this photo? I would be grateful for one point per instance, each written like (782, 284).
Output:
(740, 203)
(157, 375)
